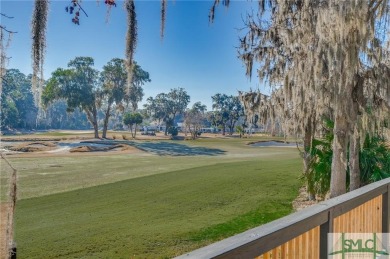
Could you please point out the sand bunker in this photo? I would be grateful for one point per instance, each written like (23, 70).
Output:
(25, 147)
(90, 148)
(33, 147)
(272, 144)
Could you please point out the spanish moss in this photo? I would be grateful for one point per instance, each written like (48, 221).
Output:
(39, 24)
(326, 59)
(215, 4)
(163, 15)
(2, 61)
(131, 40)
(4, 44)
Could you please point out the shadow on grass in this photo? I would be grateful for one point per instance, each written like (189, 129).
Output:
(174, 149)
(163, 148)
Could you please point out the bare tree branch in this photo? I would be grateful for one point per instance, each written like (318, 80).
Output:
(5, 29)
(6, 16)
(82, 9)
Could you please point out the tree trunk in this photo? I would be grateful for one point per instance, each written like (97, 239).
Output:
(354, 145)
(131, 130)
(92, 118)
(307, 138)
(339, 158)
(95, 124)
(166, 129)
(231, 127)
(168, 124)
(106, 119)
(354, 168)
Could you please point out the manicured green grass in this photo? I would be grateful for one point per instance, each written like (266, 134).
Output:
(146, 205)
(158, 215)
(54, 174)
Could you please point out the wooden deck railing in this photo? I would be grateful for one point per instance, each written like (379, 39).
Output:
(304, 234)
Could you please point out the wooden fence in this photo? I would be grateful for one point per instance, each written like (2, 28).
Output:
(304, 234)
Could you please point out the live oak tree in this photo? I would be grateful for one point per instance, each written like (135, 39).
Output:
(113, 78)
(195, 118)
(155, 108)
(114, 83)
(17, 102)
(132, 120)
(165, 106)
(328, 56)
(227, 110)
(78, 85)
(136, 93)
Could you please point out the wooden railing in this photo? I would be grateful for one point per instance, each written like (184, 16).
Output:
(304, 234)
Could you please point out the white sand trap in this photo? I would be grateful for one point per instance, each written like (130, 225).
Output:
(273, 144)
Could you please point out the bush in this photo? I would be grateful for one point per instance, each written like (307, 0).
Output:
(124, 137)
(173, 131)
(318, 177)
(374, 160)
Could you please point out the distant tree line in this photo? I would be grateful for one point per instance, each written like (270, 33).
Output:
(81, 97)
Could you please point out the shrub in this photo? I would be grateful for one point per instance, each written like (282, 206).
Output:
(374, 161)
(173, 131)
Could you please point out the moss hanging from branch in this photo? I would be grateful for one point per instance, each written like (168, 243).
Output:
(163, 15)
(38, 24)
(328, 55)
(212, 10)
(4, 44)
(131, 40)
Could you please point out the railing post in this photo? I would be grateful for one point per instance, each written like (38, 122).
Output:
(324, 230)
(385, 210)
(12, 252)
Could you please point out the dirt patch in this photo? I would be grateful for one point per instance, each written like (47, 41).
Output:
(302, 201)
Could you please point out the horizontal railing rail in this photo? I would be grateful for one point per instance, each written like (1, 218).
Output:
(257, 241)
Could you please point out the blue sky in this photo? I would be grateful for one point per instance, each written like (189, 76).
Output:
(195, 55)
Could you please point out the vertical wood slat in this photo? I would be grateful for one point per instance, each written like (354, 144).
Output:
(297, 251)
(366, 218)
(303, 246)
(283, 251)
(290, 248)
